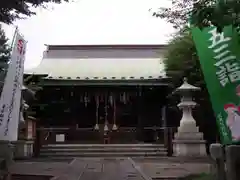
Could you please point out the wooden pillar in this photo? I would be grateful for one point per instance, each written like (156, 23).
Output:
(139, 113)
(164, 125)
(164, 119)
(106, 137)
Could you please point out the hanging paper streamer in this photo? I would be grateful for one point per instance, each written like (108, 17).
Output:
(86, 99)
(97, 100)
(114, 115)
(81, 98)
(120, 97)
(97, 109)
(127, 97)
(111, 100)
(123, 98)
(101, 98)
(106, 113)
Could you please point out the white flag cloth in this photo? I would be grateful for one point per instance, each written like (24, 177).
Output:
(10, 100)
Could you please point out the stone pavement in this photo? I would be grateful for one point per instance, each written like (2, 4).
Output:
(173, 168)
(112, 168)
(82, 169)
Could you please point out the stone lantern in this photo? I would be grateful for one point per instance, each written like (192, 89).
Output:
(188, 141)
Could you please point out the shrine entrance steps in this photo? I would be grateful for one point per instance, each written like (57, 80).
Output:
(103, 150)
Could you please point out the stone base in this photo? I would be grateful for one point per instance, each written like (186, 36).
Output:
(188, 141)
(23, 149)
(189, 136)
(189, 148)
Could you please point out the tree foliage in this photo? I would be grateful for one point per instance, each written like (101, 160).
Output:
(15, 9)
(180, 61)
(202, 12)
(177, 14)
(180, 12)
(4, 51)
(218, 13)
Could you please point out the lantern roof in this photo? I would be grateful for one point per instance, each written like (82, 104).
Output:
(187, 87)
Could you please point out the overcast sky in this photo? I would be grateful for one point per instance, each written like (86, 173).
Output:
(92, 22)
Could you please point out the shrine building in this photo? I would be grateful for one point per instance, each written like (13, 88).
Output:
(86, 93)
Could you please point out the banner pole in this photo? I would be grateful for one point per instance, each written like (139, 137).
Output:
(14, 37)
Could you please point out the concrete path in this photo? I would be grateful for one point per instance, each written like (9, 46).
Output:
(83, 169)
(172, 168)
(112, 168)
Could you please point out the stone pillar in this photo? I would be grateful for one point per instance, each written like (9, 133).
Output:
(139, 114)
(226, 161)
(6, 158)
(218, 156)
(232, 162)
(188, 141)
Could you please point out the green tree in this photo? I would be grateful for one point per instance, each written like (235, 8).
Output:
(180, 61)
(4, 57)
(180, 12)
(4, 53)
(203, 12)
(219, 13)
(14, 9)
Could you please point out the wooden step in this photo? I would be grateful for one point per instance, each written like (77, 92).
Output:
(132, 149)
(102, 145)
(102, 154)
(103, 150)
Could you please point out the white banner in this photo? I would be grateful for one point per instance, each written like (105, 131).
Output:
(10, 100)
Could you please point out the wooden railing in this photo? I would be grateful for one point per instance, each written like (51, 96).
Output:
(164, 135)
(168, 139)
(89, 135)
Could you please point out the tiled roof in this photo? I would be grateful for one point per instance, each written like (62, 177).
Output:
(100, 68)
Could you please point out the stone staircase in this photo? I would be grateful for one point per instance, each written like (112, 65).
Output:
(103, 150)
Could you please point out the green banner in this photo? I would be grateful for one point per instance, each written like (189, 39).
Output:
(219, 55)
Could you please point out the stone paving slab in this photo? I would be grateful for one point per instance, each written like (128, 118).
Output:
(111, 169)
(173, 170)
(81, 169)
(36, 168)
(90, 175)
(199, 160)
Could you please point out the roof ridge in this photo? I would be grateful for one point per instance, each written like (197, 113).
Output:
(106, 46)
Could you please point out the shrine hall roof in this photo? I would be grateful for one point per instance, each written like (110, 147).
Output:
(68, 62)
(96, 69)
